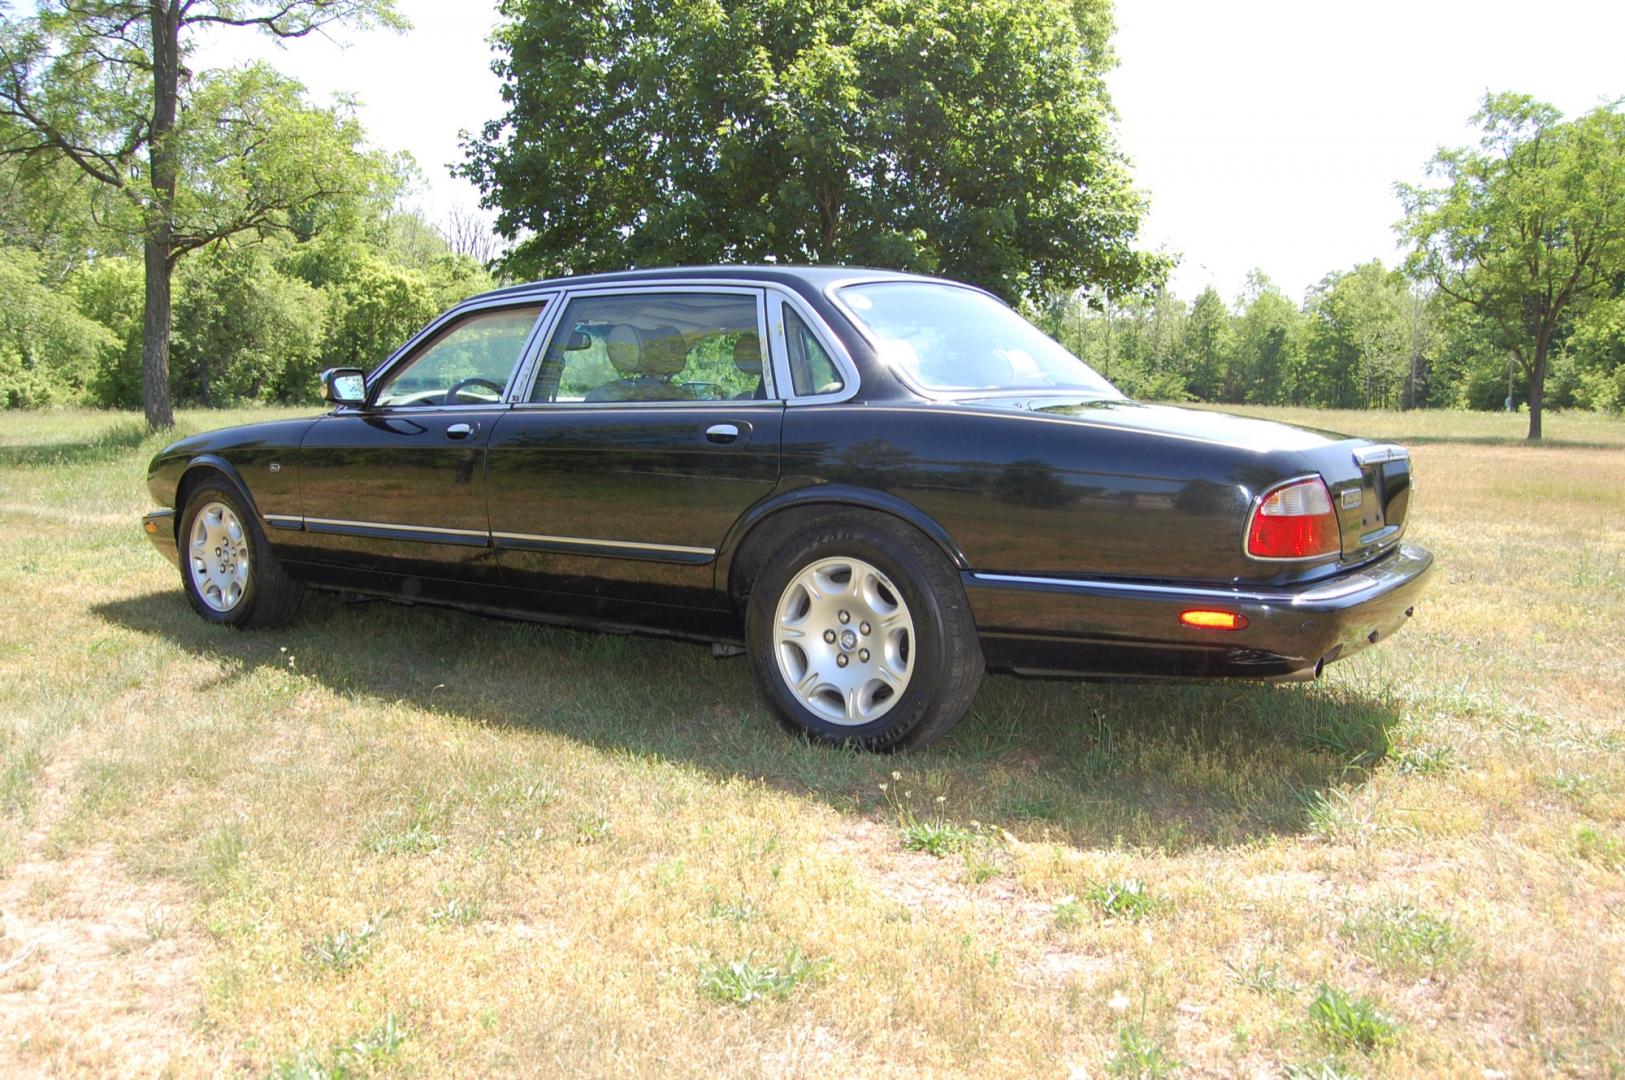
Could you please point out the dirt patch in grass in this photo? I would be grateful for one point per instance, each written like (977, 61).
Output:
(98, 972)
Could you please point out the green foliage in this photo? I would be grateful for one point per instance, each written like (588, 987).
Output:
(1403, 937)
(1528, 228)
(48, 351)
(744, 982)
(969, 138)
(1124, 899)
(1141, 1056)
(1346, 1020)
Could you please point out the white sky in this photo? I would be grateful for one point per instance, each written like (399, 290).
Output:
(1268, 133)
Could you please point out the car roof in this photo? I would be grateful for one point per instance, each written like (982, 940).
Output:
(803, 278)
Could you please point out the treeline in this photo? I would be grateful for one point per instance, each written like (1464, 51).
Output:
(1367, 338)
(253, 321)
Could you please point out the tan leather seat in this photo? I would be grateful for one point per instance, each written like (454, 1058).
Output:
(647, 360)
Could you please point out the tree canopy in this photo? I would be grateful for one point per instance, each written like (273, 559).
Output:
(1528, 228)
(969, 138)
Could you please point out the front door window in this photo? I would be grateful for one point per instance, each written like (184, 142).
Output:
(467, 363)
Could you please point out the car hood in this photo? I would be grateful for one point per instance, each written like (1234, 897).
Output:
(1200, 424)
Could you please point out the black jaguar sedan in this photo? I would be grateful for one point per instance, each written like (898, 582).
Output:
(874, 484)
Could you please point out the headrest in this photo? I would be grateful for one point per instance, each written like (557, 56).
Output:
(748, 353)
(624, 343)
(665, 351)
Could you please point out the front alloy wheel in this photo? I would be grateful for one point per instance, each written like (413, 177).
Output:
(219, 557)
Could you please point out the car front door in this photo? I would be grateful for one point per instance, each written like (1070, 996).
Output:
(650, 425)
(398, 486)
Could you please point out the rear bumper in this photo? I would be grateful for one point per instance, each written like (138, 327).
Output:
(159, 527)
(1062, 626)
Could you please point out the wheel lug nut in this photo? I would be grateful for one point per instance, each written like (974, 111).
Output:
(845, 618)
(865, 628)
(829, 636)
(863, 654)
(841, 661)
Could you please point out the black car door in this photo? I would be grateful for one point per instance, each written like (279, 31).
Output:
(399, 485)
(650, 426)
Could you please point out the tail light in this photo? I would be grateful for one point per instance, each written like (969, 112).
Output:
(1294, 520)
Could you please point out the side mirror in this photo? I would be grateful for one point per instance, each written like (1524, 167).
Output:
(345, 386)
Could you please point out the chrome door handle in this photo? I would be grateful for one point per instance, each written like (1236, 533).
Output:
(459, 431)
(722, 433)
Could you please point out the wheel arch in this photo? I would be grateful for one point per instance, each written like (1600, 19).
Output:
(758, 533)
(199, 469)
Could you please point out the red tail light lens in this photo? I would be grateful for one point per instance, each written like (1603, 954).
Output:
(1294, 521)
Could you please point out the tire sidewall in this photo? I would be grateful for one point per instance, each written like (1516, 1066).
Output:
(218, 491)
(928, 647)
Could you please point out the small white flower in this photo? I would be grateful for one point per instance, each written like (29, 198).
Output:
(882, 787)
(1145, 935)
(1118, 1003)
(895, 775)
(942, 799)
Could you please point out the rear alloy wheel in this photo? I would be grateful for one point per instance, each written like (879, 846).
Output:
(859, 632)
(227, 566)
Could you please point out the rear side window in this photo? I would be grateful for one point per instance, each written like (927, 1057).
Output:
(811, 369)
(641, 347)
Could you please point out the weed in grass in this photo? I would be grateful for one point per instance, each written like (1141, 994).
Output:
(416, 839)
(743, 982)
(1427, 759)
(1579, 788)
(1068, 913)
(1263, 978)
(740, 912)
(1403, 937)
(456, 911)
(934, 835)
(1124, 899)
(1329, 1069)
(1346, 1020)
(1140, 1056)
(591, 828)
(980, 867)
(1600, 848)
(343, 949)
(361, 1056)
(156, 925)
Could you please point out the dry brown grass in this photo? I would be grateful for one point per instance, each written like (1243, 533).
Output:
(406, 841)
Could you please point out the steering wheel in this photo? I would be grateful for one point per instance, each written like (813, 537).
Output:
(451, 395)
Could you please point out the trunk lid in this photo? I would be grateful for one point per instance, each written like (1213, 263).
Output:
(1370, 482)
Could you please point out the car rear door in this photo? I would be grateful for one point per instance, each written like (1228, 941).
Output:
(399, 485)
(649, 426)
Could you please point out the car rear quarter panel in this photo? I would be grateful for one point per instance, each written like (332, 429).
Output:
(1026, 494)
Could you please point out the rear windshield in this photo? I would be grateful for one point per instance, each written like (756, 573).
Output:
(945, 337)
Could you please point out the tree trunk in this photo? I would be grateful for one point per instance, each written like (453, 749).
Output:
(160, 225)
(1537, 390)
(155, 339)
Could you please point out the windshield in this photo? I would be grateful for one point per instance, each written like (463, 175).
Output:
(945, 337)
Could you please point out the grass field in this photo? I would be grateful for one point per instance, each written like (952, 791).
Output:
(403, 841)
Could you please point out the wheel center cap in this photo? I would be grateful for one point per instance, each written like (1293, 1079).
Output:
(849, 640)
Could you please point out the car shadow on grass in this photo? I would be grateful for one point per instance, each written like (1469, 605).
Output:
(1166, 766)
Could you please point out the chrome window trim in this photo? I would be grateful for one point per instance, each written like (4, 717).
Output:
(524, 386)
(376, 377)
(826, 337)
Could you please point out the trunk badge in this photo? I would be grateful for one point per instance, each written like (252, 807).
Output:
(1351, 499)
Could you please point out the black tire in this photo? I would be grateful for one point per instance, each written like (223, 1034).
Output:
(946, 654)
(270, 597)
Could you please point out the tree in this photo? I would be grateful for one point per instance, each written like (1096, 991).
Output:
(1528, 228)
(970, 138)
(183, 159)
(47, 348)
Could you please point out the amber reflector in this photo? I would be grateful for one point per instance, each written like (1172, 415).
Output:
(152, 526)
(1213, 620)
